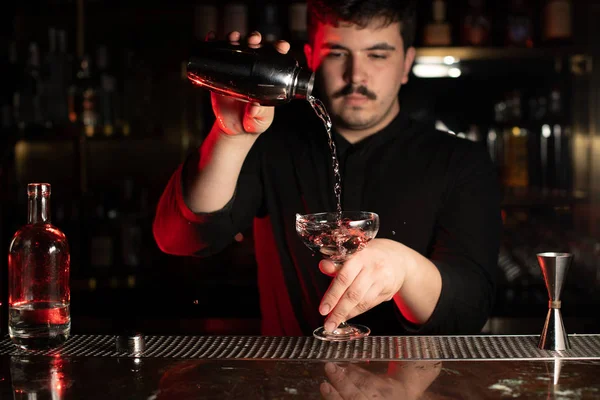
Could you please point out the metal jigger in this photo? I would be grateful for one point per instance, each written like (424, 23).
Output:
(554, 268)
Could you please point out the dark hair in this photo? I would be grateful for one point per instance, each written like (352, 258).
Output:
(361, 12)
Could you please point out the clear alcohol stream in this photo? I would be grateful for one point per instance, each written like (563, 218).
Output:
(320, 110)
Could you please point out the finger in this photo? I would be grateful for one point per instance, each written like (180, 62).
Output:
(328, 392)
(254, 38)
(339, 284)
(234, 37)
(253, 110)
(327, 267)
(369, 300)
(338, 379)
(352, 296)
(282, 46)
(257, 118)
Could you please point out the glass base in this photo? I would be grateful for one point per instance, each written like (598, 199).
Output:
(342, 333)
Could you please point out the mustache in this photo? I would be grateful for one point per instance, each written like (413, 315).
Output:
(350, 89)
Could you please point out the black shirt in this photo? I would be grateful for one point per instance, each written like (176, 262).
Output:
(434, 192)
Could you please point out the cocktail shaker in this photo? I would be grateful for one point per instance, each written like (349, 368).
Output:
(255, 74)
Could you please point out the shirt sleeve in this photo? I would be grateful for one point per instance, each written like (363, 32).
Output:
(179, 231)
(465, 248)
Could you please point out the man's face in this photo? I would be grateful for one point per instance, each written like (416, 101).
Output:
(360, 72)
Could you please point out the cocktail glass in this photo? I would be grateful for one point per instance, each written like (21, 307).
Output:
(337, 236)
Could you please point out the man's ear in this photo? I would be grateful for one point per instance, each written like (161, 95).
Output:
(409, 59)
(308, 53)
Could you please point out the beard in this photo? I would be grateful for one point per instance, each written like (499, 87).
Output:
(360, 117)
(355, 118)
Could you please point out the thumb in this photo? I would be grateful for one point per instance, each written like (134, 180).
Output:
(257, 118)
(328, 268)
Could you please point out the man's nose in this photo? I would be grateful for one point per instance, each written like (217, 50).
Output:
(355, 71)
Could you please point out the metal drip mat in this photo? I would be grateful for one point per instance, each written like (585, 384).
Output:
(308, 348)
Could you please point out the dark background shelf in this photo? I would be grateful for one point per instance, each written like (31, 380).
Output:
(167, 294)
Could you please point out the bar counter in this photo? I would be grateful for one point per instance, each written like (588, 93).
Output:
(253, 367)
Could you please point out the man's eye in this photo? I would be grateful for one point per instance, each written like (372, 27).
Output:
(378, 56)
(333, 54)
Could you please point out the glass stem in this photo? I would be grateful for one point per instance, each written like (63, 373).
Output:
(338, 265)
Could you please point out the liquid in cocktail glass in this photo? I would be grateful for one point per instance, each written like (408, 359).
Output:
(337, 236)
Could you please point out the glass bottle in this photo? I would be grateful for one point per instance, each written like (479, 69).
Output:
(106, 92)
(558, 24)
(560, 131)
(82, 98)
(476, 26)
(206, 19)
(438, 32)
(28, 107)
(38, 277)
(235, 18)
(268, 24)
(516, 155)
(297, 21)
(519, 27)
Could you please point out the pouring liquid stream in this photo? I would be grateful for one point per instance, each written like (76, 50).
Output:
(322, 113)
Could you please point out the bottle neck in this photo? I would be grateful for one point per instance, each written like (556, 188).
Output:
(38, 205)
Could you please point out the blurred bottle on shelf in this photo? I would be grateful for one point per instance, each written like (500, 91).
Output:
(206, 19)
(541, 142)
(297, 21)
(50, 74)
(495, 136)
(55, 79)
(235, 18)
(9, 94)
(64, 76)
(102, 231)
(129, 99)
(138, 98)
(557, 22)
(519, 24)
(268, 22)
(28, 97)
(106, 94)
(132, 216)
(516, 159)
(560, 130)
(438, 31)
(476, 24)
(83, 98)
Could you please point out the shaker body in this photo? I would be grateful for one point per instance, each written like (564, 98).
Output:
(259, 75)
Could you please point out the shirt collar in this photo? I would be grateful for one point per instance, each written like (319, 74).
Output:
(391, 131)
